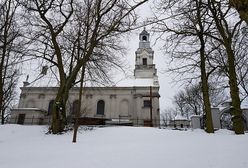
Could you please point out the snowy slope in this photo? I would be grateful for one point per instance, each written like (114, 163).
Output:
(121, 147)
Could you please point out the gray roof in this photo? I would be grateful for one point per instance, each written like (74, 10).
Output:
(144, 32)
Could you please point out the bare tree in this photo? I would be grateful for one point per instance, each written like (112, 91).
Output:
(189, 22)
(189, 100)
(202, 37)
(69, 43)
(225, 36)
(10, 54)
(180, 102)
(167, 115)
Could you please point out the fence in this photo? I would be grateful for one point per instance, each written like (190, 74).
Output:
(34, 120)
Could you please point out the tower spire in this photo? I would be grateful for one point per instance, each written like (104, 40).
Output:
(144, 67)
(144, 41)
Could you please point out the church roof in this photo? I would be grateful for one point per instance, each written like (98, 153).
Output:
(144, 32)
(180, 117)
(137, 82)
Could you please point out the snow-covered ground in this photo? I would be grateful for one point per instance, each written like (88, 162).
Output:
(121, 147)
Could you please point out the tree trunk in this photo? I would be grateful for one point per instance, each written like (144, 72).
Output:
(205, 92)
(204, 79)
(238, 121)
(3, 67)
(1, 99)
(1, 89)
(59, 110)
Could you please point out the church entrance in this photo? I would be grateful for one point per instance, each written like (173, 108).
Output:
(21, 119)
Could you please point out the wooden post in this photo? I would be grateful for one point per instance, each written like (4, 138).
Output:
(32, 120)
(151, 96)
(151, 105)
(78, 112)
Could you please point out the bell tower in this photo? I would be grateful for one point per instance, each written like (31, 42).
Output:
(144, 67)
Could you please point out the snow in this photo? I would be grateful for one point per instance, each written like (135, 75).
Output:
(130, 82)
(121, 147)
(180, 117)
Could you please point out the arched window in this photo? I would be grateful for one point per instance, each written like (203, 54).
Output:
(100, 107)
(144, 38)
(50, 107)
(75, 107)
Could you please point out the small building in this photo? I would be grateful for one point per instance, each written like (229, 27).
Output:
(180, 121)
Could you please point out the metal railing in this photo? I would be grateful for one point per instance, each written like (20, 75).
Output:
(31, 120)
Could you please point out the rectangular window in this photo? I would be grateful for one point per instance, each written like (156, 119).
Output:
(144, 61)
(147, 103)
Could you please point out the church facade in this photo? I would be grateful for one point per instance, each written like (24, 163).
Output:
(135, 102)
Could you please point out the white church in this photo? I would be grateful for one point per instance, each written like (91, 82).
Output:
(136, 103)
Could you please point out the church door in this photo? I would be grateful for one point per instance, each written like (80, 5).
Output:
(21, 119)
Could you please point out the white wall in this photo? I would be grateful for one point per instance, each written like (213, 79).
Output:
(124, 101)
